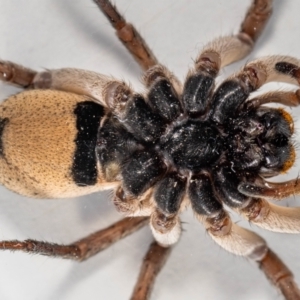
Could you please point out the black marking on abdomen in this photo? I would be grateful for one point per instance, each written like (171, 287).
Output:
(88, 117)
(3, 122)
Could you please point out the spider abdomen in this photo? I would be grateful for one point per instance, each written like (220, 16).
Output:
(48, 141)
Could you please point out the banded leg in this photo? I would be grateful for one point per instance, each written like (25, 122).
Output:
(152, 264)
(163, 206)
(256, 18)
(128, 35)
(271, 68)
(64, 79)
(246, 243)
(93, 85)
(84, 248)
(234, 238)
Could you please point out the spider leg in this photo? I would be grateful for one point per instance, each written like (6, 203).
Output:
(243, 242)
(272, 217)
(137, 46)
(271, 68)
(267, 215)
(153, 79)
(16, 74)
(128, 35)
(230, 236)
(152, 264)
(133, 206)
(106, 90)
(256, 18)
(258, 211)
(282, 97)
(166, 229)
(81, 249)
(164, 218)
(279, 275)
(71, 79)
(271, 190)
(98, 241)
(233, 238)
(226, 50)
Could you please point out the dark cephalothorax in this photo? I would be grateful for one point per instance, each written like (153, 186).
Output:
(201, 144)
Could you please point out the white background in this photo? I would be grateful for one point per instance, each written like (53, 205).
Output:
(55, 34)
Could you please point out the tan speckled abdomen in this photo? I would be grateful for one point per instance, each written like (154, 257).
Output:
(38, 144)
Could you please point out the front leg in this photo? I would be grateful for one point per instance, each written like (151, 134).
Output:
(128, 35)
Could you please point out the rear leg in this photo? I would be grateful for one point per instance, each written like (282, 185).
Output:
(81, 249)
(98, 241)
(153, 262)
(240, 241)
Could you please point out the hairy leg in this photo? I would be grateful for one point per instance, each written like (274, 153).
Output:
(16, 74)
(279, 275)
(81, 249)
(272, 217)
(152, 264)
(240, 241)
(128, 35)
(271, 190)
(226, 50)
(287, 98)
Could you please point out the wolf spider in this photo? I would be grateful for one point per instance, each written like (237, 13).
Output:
(159, 248)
